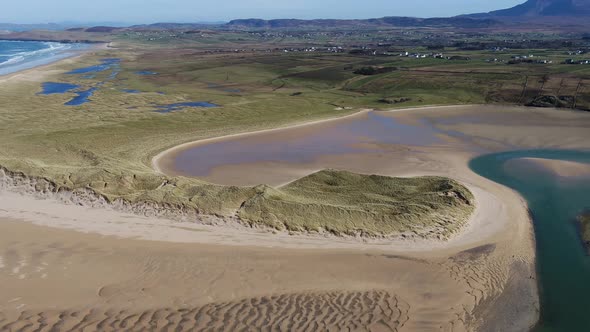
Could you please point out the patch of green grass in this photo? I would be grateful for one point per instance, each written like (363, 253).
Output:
(346, 203)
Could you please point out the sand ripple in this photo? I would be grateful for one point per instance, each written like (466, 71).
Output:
(333, 311)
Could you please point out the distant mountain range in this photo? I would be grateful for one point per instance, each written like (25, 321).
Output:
(560, 11)
(464, 22)
(542, 8)
(54, 26)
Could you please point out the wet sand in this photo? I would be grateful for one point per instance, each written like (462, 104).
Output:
(276, 157)
(561, 168)
(135, 272)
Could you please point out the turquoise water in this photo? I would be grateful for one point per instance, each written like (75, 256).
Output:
(562, 260)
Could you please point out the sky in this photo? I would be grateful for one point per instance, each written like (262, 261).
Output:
(150, 11)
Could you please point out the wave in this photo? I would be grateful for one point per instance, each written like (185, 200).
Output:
(50, 49)
(15, 55)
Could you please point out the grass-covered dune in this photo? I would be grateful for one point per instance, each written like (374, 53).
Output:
(329, 201)
(352, 204)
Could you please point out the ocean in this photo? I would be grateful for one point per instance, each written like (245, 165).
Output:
(19, 55)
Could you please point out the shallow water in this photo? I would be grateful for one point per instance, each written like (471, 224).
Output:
(563, 263)
(106, 64)
(146, 73)
(341, 137)
(82, 98)
(180, 106)
(112, 64)
(51, 88)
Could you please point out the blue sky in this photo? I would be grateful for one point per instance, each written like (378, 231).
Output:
(147, 11)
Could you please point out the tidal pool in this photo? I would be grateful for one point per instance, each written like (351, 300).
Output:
(291, 146)
(562, 261)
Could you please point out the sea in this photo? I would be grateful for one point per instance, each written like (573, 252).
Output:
(20, 55)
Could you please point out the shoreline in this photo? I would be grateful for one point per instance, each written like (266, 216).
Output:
(74, 54)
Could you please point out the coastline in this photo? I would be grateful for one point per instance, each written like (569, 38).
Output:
(45, 63)
(498, 235)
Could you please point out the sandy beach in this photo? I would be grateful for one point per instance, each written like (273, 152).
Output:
(42, 66)
(187, 274)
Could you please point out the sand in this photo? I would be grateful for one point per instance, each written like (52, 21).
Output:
(566, 169)
(37, 73)
(134, 272)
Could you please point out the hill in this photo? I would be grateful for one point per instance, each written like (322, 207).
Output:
(542, 8)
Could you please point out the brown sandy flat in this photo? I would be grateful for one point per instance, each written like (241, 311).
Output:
(66, 280)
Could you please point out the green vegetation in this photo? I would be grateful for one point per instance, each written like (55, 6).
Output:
(584, 220)
(352, 204)
(259, 82)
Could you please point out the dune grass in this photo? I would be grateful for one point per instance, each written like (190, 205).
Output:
(352, 204)
(584, 221)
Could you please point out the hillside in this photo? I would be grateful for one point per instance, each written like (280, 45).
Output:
(542, 8)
